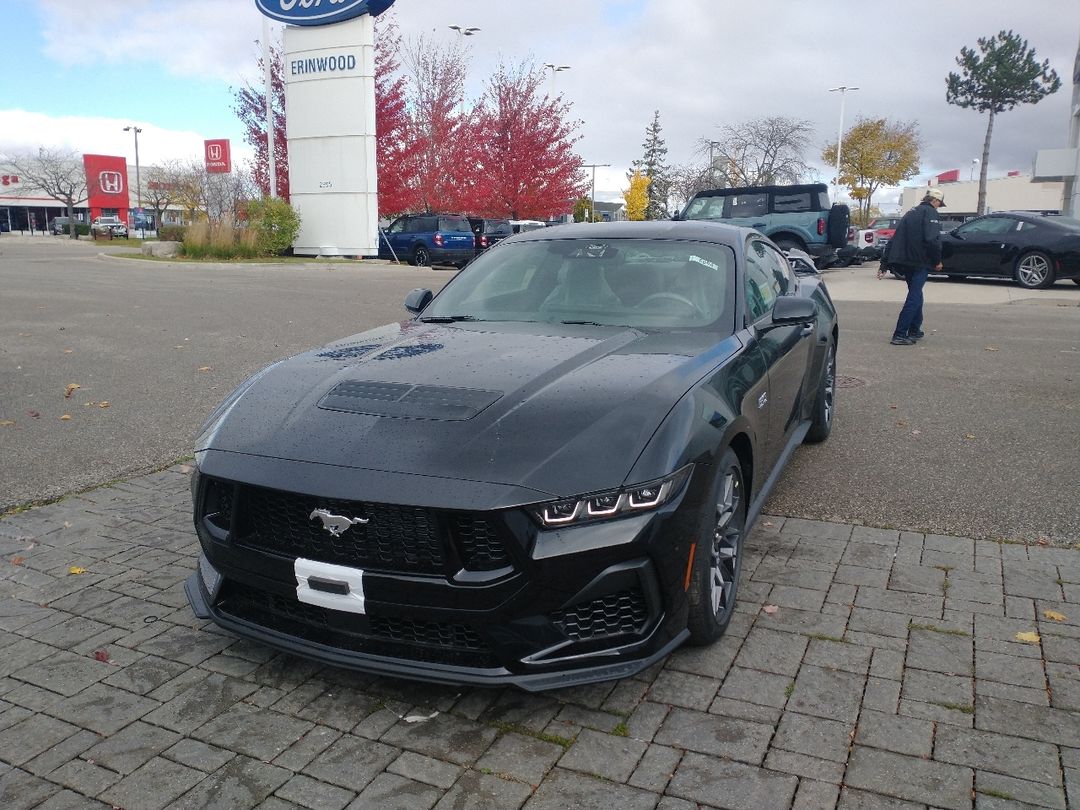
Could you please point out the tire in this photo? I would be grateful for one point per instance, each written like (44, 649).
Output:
(821, 418)
(1034, 270)
(837, 225)
(714, 577)
(421, 257)
(789, 242)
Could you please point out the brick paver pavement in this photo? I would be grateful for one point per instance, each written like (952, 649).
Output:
(866, 668)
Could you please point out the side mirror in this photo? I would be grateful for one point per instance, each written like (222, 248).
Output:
(416, 300)
(790, 309)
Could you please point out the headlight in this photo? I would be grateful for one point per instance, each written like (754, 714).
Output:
(617, 503)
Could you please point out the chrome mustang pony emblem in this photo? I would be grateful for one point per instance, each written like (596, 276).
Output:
(335, 524)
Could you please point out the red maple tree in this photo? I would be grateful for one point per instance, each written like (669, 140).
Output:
(527, 147)
(250, 108)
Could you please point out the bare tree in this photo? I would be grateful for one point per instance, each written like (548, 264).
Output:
(56, 173)
(688, 179)
(163, 183)
(760, 152)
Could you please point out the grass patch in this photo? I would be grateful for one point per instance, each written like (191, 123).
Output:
(505, 728)
(262, 260)
(945, 587)
(956, 707)
(997, 794)
(826, 637)
(945, 568)
(933, 628)
(621, 730)
(790, 690)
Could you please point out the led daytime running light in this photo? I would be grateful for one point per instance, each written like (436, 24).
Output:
(618, 502)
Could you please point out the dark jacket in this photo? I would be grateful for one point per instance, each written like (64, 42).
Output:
(917, 241)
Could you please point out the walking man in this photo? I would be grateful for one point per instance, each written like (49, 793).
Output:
(916, 250)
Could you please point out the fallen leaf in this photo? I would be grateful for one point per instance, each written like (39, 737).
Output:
(969, 435)
(768, 524)
(66, 417)
(206, 368)
(102, 656)
(178, 347)
(76, 570)
(901, 423)
(24, 334)
(916, 433)
(1054, 616)
(1042, 541)
(71, 388)
(103, 404)
(1029, 637)
(990, 349)
(68, 351)
(769, 610)
(892, 407)
(34, 414)
(18, 560)
(6, 422)
(420, 718)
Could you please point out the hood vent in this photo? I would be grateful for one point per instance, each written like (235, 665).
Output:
(408, 401)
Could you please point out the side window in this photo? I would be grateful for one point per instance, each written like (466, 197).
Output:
(791, 203)
(989, 225)
(397, 226)
(746, 205)
(781, 270)
(760, 281)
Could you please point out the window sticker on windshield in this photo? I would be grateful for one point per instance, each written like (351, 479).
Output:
(705, 262)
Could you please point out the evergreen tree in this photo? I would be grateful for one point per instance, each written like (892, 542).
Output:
(652, 165)
(1004, 75)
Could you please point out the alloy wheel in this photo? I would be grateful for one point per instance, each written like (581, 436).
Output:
(1033, 270)
(727, 539)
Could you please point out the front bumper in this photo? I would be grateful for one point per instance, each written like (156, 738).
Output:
(547, 609)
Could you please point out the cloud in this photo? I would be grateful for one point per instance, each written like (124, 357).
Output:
(204, 39)
(22, 131)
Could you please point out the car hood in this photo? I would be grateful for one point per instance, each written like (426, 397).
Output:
(559, 409)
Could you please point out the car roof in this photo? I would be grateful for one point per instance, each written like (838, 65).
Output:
(797, 187)
(656, 229)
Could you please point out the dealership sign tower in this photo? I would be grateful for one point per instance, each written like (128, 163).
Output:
(330, 122)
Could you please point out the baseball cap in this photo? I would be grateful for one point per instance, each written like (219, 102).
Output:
(936, 194)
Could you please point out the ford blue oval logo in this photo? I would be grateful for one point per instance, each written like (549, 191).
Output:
(320, 12)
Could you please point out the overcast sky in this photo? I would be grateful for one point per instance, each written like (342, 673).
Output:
(75, 77)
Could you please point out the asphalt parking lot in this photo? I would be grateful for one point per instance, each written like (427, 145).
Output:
(874, 661)
(972, 433)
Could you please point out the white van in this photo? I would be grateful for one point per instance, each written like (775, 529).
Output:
(525, 225)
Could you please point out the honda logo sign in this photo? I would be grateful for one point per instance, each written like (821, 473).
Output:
(218, 159)
(111, 182)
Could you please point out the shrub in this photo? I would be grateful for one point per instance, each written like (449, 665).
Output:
(171, 233)
(80, 229)
(275, 224)
(220, 240)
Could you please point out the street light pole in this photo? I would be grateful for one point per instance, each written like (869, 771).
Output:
(971, 172)
(555, 69)
(592, 205)
(840, 137)
(463, 31)
(138, 178)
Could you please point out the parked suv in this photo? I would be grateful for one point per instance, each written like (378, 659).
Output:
(797, 216)
(489, 231)
(111, 226)
(426, 239)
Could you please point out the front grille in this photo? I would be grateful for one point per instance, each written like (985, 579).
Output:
(613, 614)
(402, 539)
(409, 639)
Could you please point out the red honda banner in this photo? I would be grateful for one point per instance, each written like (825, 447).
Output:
(106, 181)
(218, 159)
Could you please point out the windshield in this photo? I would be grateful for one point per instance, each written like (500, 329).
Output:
(647, 283)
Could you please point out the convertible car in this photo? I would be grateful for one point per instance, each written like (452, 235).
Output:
(1033, 250)
(543, 478)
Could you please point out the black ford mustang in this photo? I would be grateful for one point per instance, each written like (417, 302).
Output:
(1033, 250)
(544, 478)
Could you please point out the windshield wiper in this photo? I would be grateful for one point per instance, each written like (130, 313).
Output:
(448, 318)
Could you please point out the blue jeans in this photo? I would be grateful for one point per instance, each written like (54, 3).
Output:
(910, 319)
